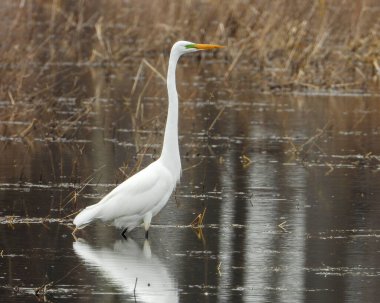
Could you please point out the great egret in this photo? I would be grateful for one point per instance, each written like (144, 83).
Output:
(143, 195)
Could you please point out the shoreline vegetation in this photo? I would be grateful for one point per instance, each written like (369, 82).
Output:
(285, 45)
(280, 46)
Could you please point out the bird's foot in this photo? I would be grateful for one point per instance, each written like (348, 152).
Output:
(123, 233)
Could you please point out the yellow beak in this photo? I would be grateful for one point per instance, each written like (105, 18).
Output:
(207, 46)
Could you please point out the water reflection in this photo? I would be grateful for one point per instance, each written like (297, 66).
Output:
(126, 262)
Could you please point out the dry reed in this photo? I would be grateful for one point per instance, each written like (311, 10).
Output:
(283, 45)
(292, 41)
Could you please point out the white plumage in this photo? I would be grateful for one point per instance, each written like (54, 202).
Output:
(137, 199)
(143, 195)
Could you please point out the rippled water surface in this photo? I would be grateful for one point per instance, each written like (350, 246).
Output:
(289, 188)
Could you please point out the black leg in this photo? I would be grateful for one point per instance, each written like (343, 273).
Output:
(123, 233)
(146, 234)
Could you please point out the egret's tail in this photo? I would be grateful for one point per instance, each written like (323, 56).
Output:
(86, 216)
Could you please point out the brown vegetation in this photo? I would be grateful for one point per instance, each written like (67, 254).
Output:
(320, 44)
(278, 45)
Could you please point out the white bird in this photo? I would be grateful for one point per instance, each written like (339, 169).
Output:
(143, 195)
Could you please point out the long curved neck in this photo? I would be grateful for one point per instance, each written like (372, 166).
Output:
(170, 149)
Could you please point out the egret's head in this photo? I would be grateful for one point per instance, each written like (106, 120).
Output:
(183, 47)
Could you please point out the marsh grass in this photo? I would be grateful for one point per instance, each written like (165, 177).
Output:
(287, 44)
(48, 46)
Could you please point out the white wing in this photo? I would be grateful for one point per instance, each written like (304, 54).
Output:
(148, 190)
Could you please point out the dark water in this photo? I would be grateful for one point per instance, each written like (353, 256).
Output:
(289, 185)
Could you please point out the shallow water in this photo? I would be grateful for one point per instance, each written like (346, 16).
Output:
(289, 186)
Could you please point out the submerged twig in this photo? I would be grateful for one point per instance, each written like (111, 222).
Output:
(198, 221)
(301, 149)
(282, 226)
(43, 288)
(134, 290)
(197, 225)
(75, 193)
(246, 161)
(218, 268)
(193, 166)
(216, 118)
(331, 169)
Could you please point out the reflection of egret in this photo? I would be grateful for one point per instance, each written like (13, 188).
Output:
(143, 195)
(126, 262)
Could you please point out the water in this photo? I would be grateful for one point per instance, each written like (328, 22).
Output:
(289, 186)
